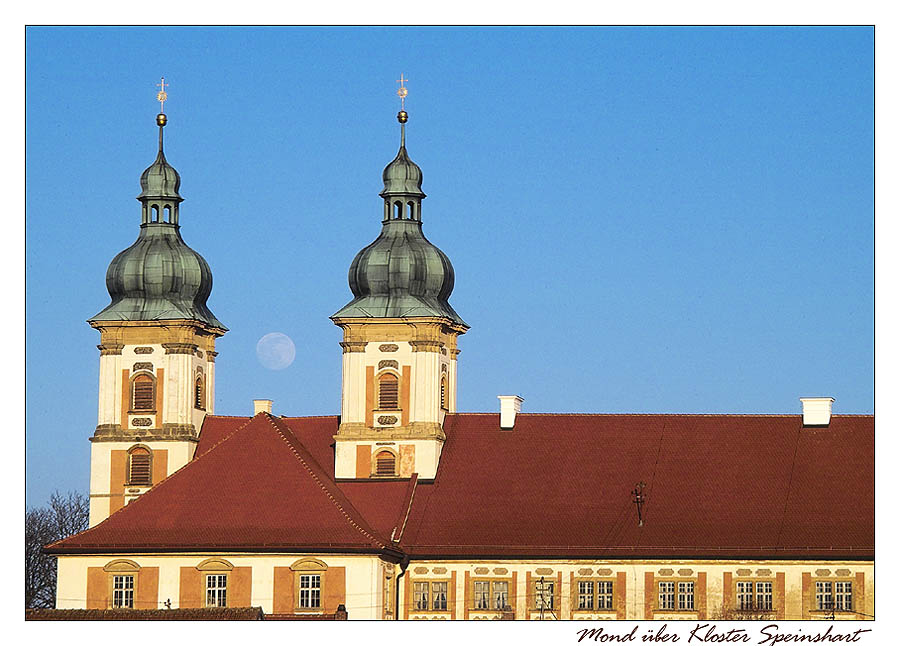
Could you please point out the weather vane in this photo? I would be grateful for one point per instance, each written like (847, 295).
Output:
(161, 96)
(402, 91)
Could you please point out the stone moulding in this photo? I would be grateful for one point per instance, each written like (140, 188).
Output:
(180, 348)
(143, 350)
(388, 347)
(142, 365)
(142, 421)
(387, 419)
(388, 363)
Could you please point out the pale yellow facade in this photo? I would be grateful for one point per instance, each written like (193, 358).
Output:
(366, 586)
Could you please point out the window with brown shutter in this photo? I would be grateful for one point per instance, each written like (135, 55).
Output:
(142, 393)
(199, 394)
(444, 393)
(139, 467)
(385, 464)
(388, 392)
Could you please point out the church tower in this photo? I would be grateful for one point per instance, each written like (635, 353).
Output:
(400, 340)
(157, 350)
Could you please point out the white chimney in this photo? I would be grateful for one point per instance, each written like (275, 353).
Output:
(816, 410)
(509, 406)
(262, 406)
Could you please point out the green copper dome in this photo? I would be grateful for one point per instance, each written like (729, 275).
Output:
(401, 274)
(159, 277)
(402, 176)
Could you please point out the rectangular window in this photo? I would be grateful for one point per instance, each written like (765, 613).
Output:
(666, 595)
(604, 595)
(824, 600)
(843, 595)
(216, 585)
(421, 595)
(123, 591)
(763, 595)
(543, 595)
(482, 595)
(439, 595)
(310, 591)
(501, 594)
(585, 595)
(745, 595)
(685, 595)
(140, 468)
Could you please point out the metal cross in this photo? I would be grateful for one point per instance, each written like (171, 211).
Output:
(161, 96)
(402, 91)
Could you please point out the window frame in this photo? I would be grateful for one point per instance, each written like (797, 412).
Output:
(384, 450)
(129, 480)
(122, 568)
(754, 593)
(380, 396)
(427, 586)
(833, 583)
(140, 376)
(493, 583)
(313, 591)
(596, 594)
(220, 589)
(309, 567)
(677, 583)
(200, 391)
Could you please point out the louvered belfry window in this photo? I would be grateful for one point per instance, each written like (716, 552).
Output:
(142, 389)
(199, 394)
(388, 392)
(139, 468)
(385, 464)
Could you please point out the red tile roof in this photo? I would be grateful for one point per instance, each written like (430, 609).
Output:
(258, 489)
(718, 486)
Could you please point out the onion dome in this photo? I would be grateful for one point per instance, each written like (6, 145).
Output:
(159, 277)
(160, 179)
(401, 274)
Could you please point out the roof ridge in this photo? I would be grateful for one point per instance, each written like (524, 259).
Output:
(330, 494)
(400, 527)
(197, 457)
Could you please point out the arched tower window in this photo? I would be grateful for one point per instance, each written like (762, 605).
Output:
(200, 392)
(167, 213)
(388, 392)
(398, 210)
(139, 466)
(444, 393)
(410, 210)
(385, 464)
(143, 393)
(154, 210)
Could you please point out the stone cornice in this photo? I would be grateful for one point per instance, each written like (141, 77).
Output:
(169, 432)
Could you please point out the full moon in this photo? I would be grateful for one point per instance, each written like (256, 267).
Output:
(276, 351)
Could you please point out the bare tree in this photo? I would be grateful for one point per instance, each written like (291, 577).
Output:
(64, 516)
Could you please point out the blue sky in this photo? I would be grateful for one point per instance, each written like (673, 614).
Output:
(640, 219)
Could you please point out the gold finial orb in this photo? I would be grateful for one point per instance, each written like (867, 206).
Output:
(160, 119)
(402, 92)
(402, 116)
